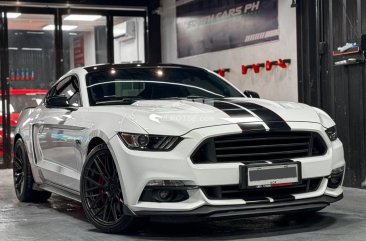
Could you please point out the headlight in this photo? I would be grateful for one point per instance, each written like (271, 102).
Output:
(332, 133)
(145, 142)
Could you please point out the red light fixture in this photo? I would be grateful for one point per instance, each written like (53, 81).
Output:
(244, 69)
(268, 65)
(281, 63)
(221, 72)
(256, 68)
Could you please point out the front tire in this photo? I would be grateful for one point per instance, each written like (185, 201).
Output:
(23, 177)
(101, 193)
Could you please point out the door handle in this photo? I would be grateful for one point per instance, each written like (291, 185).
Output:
(78, 142)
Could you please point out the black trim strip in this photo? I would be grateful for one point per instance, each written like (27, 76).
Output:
(256, 200)
(249, 209)
(273, 120)
(283, 198)
(251, 127)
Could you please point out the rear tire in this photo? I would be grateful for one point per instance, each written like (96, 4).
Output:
(23, 177)
(101, 193)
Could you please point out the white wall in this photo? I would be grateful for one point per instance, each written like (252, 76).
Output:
(132, 49)
(89, 48)
(277, 84)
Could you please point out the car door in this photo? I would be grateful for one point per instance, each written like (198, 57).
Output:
(57, 137)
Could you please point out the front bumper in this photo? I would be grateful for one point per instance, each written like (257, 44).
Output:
(249, 210)
(137, 168)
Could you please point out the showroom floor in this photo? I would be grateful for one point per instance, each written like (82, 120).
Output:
(61, 219)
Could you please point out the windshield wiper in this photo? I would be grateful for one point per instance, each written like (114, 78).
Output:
(126, 100)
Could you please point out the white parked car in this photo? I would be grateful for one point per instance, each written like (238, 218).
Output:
(164, 141)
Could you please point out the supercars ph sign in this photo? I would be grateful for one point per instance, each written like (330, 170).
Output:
(206, 26)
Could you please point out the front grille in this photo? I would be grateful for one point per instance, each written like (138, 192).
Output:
(254, 147)
(234, 192)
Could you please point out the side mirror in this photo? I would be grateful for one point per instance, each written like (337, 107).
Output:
(251, 94)
(58, 101)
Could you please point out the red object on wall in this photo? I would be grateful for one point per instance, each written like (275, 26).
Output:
(221, 72)
(79, 51)
(244, 69)
(256, 68)
(268, 65)
(282, 64)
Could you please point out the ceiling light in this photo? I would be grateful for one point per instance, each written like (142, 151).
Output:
(32, 49)
(77, 17)
(13, 15)
(159, 72)
(64, 27)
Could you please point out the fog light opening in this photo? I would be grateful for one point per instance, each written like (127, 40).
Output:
(336, 177)
(162, 195)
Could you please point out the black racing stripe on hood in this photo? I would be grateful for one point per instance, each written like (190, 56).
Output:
(273, 120)
(231, 110)
(238, 112)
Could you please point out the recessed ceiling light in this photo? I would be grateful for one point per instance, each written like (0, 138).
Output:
(64, 27)
(77, 17)
(13, 15)
(32, 49)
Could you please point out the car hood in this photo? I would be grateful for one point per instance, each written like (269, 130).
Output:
(177, 117)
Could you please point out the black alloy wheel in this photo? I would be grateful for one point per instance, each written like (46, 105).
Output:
(18, 170)
(23, 177)
(101, 192)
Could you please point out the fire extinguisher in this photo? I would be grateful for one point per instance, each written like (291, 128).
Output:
(12, 74)
(17, 74)
(32, 75)
(22, 74)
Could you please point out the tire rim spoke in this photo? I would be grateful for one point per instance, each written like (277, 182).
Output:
(18, 172)
(102, 190)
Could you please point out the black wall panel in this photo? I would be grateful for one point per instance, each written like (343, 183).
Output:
(342, 89)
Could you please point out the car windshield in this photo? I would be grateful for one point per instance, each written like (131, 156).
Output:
(119, 86)
(19, 102)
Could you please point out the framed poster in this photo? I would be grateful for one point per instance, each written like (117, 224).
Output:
(206, 26)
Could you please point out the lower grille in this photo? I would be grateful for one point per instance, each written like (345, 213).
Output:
(234, 192)
(260, 146)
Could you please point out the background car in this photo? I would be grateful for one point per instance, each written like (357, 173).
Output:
(20, 99)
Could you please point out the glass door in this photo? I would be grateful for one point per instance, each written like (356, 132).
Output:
(28, 68)
(31, 44)
(84, 40)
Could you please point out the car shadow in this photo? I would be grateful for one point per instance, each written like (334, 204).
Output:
(245, 228)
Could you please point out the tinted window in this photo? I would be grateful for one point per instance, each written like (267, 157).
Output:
(114, 86)
(68, 87)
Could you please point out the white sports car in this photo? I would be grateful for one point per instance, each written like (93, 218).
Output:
(173, 141)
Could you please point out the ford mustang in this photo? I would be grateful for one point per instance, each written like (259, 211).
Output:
(140, 141)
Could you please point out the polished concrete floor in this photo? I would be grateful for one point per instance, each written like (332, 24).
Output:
(61, 219)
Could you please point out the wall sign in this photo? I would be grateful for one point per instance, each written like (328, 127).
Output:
(206, 26)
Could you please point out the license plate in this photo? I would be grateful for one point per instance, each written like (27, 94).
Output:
(273, 175)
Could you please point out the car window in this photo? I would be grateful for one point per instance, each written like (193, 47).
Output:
(68, 87)
(151, 83)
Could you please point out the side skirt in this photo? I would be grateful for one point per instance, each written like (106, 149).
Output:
(60, 190)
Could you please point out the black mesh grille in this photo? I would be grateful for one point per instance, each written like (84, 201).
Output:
(262, 146)
(234, 192)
